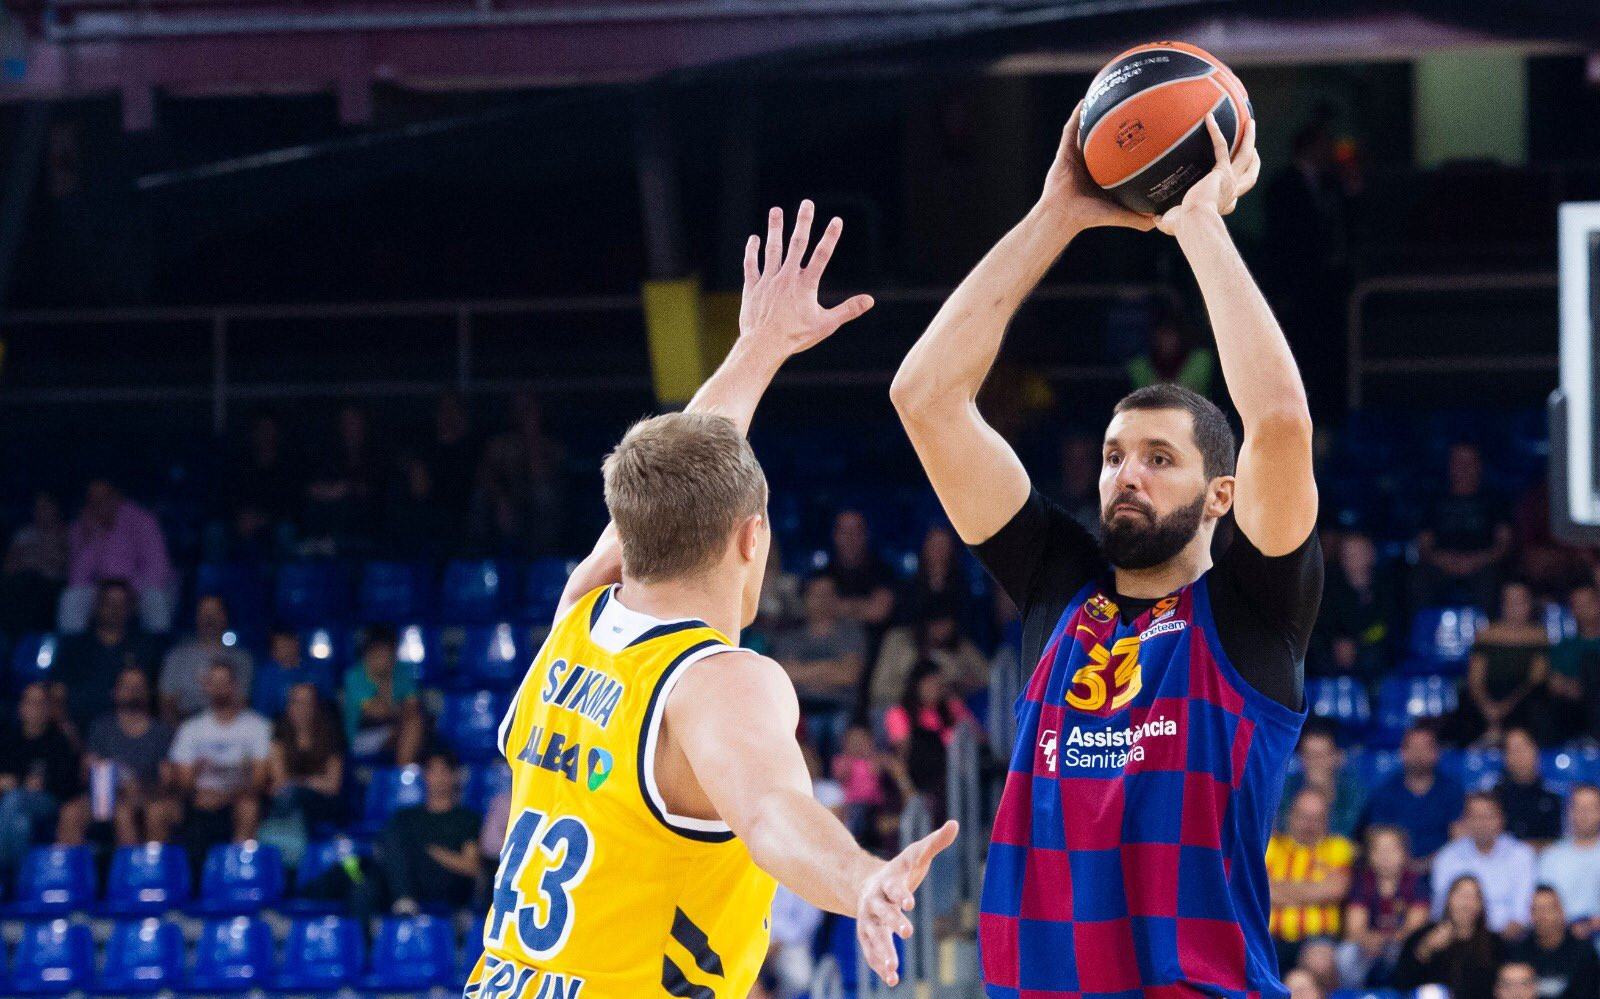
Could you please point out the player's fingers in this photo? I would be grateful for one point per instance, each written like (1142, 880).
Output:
(801, 238)
(1252, 171)
(1069, 135)
(774, 241)
(936, 842)
(1219, 145)
(752, 266)
(824, 251)
(1248, 146)
(850, 308)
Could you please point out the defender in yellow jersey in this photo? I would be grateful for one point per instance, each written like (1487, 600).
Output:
(658, 793)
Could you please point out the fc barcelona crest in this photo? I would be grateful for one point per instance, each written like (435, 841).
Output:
(1100, 608)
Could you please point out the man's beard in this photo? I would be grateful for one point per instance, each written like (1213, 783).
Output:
(1138, 543)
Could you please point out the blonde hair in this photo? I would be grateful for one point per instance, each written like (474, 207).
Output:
(677, 486)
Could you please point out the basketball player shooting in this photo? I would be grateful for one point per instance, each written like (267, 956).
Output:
(1127, 855)
(658, 793)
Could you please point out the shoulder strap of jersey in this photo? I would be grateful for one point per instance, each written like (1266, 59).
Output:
(706, 643)
(587, 609)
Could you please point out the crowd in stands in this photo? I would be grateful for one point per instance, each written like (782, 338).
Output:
(251, 725)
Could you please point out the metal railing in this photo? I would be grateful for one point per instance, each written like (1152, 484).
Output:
(457, 330)
(1362, 364)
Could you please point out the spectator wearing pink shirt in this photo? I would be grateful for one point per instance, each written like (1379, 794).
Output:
(115, 538)
(922, 726)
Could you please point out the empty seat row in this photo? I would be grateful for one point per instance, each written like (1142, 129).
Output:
(238, 954)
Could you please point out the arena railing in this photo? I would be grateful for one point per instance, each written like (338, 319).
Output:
(1492, 333)
(218, 357)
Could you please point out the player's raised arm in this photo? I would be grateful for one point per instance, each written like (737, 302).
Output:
(978, 478)
(1275, 493)
(733, 715)
(779, 317)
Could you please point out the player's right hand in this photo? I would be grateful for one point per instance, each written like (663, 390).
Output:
(1069, 189)
(887, 896)
(779, 306)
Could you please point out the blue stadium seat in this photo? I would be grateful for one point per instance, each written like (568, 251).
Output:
(308, 593)
(470, 723)
(1339, 699)
(233, 955)
(1480, 768)
(318, 859)
(1404, 699)
(1562, 768)
(473, 592)
(542, 586)
(415, 953)
(393, 592)
(418, 650)
(1445, 634)
(243, 587)
(143, 956)
(32, 659)
(54, 881)
(1364, 994)
(239, 878)
(53, 958)
(321, 955)
(1559, 622)
(391, 789)
(1372, 767)
(491, 656)
(483, 783)
(147, 880)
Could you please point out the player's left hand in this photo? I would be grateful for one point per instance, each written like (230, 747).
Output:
(1221, 189)
(780, 304)
(889, 895)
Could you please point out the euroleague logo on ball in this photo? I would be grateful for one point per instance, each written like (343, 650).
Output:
(1129, 134)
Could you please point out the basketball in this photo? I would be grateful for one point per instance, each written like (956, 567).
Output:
(1143, 130)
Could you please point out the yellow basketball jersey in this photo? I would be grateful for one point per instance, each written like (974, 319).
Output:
(602, 893)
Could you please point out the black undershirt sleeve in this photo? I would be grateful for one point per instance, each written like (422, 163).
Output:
(1266, 607)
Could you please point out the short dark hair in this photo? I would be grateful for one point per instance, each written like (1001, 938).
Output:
(1484, 796)
(441, 753)
(113, 583)
(1212, 434)
(383, 635)
(224, 664)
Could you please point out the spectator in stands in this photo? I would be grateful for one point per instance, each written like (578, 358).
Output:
(1517, 980)
(284, 668)
(519, 503)
(782, 605)
(1080, 479)
(492, 834)
(305, 771)
(1502, 867)
(828, 791)
(1322, 769)
(1566, 967)
(343, 494)
(1419, 799)
(1464, 541)
(429, 852)
(263, 493)
(1320, 958)
(182, 686)
(1574, 682)
(1506, 673)
(1354, 627)
(794, 925)
(860, 771)
(382, 716)
(1388, 903)
(939, 585)
(88, 665)
(824, 658)
(1309, 868)
(41, 777)
(136, 743)
(34, 571)
(1171, 356)
(921, 728)
(1572, 865)
(936, 639)
(1457, 951)
(863, 581)
(1533, 811)
(414, 524)
(1548, 565)
(451, 456)
(115, 538)
(1302, 984)
(219, 765)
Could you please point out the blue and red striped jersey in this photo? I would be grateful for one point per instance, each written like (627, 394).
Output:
(1128, 852)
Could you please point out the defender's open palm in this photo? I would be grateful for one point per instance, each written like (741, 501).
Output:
(889, 895)
(1228, 181)
(780, 296)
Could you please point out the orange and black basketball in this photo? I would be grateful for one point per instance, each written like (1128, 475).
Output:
(1143, 128)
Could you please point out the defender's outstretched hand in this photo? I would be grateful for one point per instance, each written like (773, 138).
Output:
(887, 896)
(1069, 188)
(780, 296)
(1221, 189)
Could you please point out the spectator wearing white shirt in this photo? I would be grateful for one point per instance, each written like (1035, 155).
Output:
(1503, 866)
(219, 762)
(1572, 865)
(794, 926)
